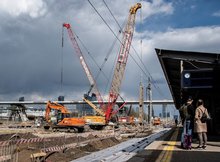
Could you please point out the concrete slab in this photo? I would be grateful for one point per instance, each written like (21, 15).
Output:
(169, 150)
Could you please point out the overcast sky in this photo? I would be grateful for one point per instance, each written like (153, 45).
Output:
(31, 52)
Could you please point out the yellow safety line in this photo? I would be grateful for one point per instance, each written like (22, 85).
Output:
(167, 152)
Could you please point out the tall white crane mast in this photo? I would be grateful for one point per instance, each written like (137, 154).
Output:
(122, 60)
(83, 63)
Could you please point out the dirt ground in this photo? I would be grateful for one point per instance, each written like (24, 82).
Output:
(66, 153)
(59, 146)
(75, 153)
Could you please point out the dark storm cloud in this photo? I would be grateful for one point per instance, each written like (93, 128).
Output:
(30, 50)
(30, 47)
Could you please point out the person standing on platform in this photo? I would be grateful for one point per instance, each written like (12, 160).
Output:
(176, 122)
(188, 117)
(200, 124)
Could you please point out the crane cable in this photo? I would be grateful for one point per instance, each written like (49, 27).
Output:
(129, 53)
(106, 57)
(137, 54)
(90, 55)
(141, 40)
(104, 62)
(61, 70)
(119, 32)
(104, 21)
(113, 16)
(112, 32)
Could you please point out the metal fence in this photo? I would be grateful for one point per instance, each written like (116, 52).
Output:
(8, 152)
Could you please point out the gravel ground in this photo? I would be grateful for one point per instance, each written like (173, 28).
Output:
(59, 139)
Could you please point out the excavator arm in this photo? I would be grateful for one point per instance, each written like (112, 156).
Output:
(66, 122)
(53, 105)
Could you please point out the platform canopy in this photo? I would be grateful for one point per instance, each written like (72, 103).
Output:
(190, 73)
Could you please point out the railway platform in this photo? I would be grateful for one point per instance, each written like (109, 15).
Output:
(168, 149)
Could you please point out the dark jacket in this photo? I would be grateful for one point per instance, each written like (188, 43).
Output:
(187, 112)
(191, 112)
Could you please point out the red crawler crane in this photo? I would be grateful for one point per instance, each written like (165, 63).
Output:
(122, 60)
(119, 69)
(83, 63)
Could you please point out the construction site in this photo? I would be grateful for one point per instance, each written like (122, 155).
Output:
(59, 134)
(104, 120)
(38, 144)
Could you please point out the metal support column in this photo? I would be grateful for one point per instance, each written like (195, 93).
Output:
(141, 101)
(150, 102)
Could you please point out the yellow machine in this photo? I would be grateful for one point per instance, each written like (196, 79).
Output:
(96, 122)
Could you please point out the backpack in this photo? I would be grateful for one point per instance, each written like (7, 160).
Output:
(204, 117)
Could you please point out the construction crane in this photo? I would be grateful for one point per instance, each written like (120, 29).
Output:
(122, 60)
(121, 64)
(94, 121)
(84, 64)
(105, 116)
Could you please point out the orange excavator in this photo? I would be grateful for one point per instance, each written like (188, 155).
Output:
(63, 121)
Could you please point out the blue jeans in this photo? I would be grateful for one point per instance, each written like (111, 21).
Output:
(187, 129)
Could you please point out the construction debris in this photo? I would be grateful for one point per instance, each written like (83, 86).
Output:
(38, 144)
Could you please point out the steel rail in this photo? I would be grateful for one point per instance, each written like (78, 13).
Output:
(122, 151)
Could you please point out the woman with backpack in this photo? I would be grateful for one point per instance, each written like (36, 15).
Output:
(200, 126)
